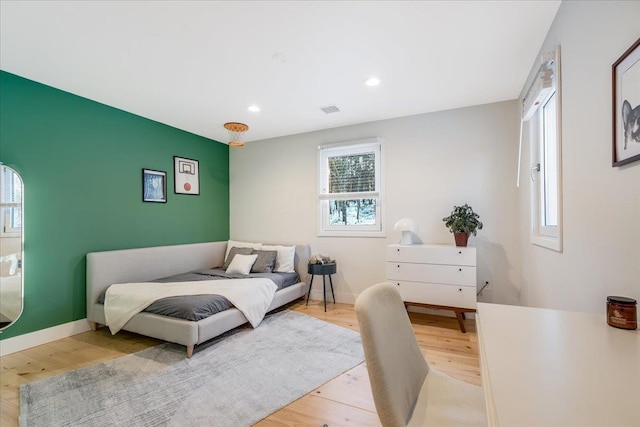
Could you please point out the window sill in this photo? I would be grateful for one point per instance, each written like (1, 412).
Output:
(351, 233)
(552, 243)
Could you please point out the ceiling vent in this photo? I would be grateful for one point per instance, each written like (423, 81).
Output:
(330, 109)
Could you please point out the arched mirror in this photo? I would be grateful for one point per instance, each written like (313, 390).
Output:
(11, 238)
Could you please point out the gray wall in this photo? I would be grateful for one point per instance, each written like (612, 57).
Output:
(436, 160)
(601, 204)
(432, 162)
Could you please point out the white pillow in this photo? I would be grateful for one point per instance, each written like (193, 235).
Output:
(284, 260)
(232, 243)
(241, 264)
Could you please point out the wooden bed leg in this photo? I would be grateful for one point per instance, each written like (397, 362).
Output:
(189, 351)
(94, 326)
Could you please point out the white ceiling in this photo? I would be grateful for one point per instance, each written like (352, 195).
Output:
(196, 65)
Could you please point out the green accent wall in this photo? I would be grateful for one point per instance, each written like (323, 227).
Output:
(81, 163)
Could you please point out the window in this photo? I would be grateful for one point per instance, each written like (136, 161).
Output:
(549, 184)
(10, 203)
(546, 194)
(350, 189)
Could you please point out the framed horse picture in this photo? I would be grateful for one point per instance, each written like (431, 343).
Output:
(626, 106)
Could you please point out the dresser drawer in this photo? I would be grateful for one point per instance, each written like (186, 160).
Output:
(432, 293)
(432, 273)
(432, 254)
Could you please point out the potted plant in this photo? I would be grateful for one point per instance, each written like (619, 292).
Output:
(462, 222)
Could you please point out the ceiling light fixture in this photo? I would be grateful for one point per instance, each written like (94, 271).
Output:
(253, 108)
(372, 81)
(235, 131)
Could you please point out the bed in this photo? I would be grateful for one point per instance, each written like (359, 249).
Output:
(148, 264)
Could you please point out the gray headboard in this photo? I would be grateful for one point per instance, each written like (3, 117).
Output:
(145, 264)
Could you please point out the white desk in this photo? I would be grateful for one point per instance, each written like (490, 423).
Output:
(556, 368)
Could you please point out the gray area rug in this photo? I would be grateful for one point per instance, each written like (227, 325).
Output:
(233, 381)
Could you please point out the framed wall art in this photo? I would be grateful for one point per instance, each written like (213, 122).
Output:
(186, 176)
(626, 106)
(154, 186)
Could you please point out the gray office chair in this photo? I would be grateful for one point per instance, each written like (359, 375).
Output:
(405, 390)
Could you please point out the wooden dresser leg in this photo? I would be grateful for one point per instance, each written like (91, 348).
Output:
(94, 326)
(189, 351)
(460, 317)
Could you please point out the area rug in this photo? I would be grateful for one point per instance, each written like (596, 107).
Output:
(235, 380)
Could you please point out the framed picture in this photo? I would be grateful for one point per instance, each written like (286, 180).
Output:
(626, 106)
(154, 186)
(186, 176)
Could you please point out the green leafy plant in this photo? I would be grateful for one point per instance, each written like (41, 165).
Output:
(463, 220)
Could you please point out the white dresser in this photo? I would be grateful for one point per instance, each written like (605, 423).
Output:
(435, 276)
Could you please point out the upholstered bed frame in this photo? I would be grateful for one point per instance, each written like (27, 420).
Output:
(145, 264)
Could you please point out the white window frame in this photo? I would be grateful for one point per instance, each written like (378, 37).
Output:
(541, 234)
(5, 228)
(345, 148)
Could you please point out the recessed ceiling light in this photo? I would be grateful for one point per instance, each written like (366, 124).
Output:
(253, 108)
(372, 81)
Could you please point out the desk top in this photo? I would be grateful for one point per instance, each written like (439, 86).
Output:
(556, 368)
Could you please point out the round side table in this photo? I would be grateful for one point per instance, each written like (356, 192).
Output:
(326, 269)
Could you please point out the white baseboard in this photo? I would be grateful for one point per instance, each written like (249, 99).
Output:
(43, 336)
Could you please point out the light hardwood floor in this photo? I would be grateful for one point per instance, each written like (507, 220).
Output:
(343, 401)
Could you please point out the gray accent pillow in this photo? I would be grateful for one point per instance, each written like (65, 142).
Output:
(265, 262)
(233, 252)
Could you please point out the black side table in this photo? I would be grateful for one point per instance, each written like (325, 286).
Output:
(326, 269)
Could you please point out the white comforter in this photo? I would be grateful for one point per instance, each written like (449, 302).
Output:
(251, 296)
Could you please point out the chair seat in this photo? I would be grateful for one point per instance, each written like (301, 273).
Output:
(445, 401)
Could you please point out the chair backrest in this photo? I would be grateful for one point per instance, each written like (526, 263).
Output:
(397, 369)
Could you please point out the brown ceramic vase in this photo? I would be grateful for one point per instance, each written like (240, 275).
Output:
(461, 238)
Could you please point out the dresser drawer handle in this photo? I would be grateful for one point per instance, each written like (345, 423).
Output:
(398, 265)
(459, 269)
(460, 252)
